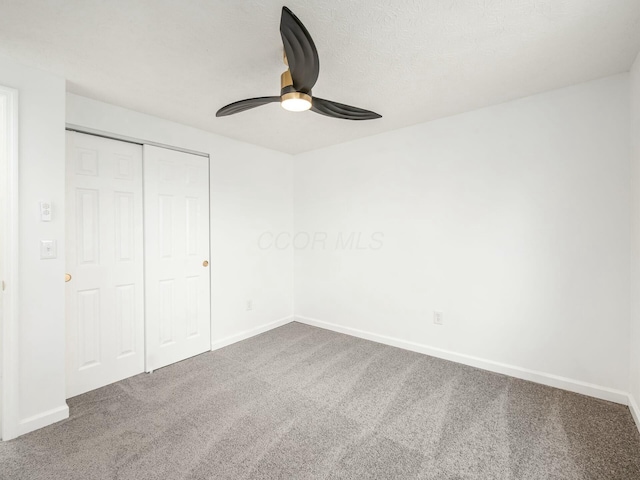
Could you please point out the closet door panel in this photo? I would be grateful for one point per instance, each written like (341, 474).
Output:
(177, 288)
(104, 256)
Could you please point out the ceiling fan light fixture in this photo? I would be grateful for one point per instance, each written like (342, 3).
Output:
(295, 101)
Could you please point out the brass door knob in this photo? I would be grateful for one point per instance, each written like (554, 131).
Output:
(67, 277)
(205, 263)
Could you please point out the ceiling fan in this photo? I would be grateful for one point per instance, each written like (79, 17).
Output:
(301, 58)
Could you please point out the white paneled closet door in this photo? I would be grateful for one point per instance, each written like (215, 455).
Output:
(104, 255)
(177, 288)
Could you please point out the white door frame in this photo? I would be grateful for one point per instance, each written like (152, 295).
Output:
(9, 258)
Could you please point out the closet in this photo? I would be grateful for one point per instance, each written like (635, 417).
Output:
(137, 250)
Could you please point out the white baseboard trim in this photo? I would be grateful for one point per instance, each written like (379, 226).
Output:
(548, 379)
(635, 411)
(215, 345)
(43, 419)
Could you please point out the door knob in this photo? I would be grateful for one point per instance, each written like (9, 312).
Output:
(67, 277)
(205, 263)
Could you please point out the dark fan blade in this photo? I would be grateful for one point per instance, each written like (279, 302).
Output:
(340, 110)
(242, 105)
(301, 52)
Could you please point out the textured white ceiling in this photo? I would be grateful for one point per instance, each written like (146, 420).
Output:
(409, 60)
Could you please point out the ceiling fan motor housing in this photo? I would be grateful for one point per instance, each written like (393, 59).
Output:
(286, 84)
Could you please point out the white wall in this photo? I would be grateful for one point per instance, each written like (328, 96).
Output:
(513, 220)
(41, 362)
(251, 192)
(635, 319)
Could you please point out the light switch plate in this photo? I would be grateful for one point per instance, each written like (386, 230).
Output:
(48, 249)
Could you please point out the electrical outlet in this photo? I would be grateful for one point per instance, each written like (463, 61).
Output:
(45, 211)
(249, 305)
(438, 318)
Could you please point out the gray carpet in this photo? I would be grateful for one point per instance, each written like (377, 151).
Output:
(301, 402)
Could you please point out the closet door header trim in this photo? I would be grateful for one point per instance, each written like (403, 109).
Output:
(123, 138)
